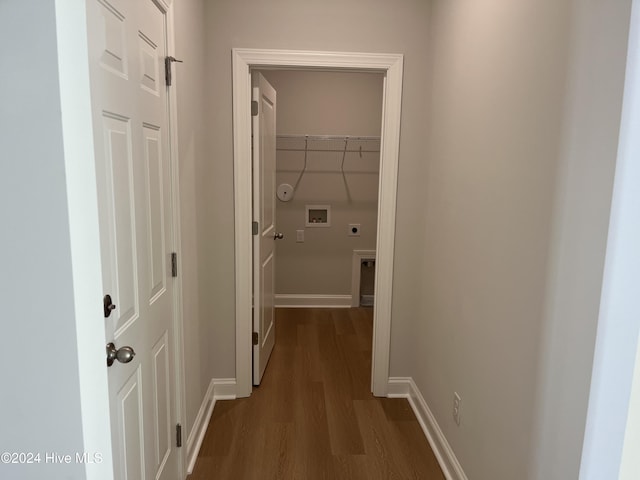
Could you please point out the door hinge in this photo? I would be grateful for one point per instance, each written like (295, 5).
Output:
(174, 264)
(167, 68)
(254, 108)
(178, 435)
(254, 338)
(254, 228)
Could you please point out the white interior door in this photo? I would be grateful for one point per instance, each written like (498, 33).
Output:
(264, 213)
(127, 47)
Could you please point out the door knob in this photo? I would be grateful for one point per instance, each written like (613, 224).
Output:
(278, 236)
(122, 354)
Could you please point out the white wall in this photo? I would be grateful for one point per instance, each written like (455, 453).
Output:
(497, 110)
(326, 103)
(40, 409)
(509, 132)
(521, 156)
(581, 219)
(191, 91)
(612, 434)
(629, 461)
(364, 26)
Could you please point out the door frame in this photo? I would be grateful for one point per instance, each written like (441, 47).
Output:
(391, 65)
(80, 172)
(178, 333)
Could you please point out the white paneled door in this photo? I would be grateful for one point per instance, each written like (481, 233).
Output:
(264, 216)
(127, 48)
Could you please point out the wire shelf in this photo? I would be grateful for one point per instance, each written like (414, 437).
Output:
(327, 143)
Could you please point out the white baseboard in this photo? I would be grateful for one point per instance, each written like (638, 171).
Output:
(294, 300)
(224, 389)
(219, 389)
(405, 387)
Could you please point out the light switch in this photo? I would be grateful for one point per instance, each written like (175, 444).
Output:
(299, 236)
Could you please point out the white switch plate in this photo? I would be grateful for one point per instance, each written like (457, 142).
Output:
(299, 236)
(354, 230)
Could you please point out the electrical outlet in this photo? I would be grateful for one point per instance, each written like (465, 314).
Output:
(457, 403)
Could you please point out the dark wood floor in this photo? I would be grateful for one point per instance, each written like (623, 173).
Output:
(314, 416)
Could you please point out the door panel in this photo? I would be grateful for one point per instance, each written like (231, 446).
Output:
(149, 64)
(127, 46)
(111, 32)
(155, 211)
(130, 429)
(267, 320)
(264, 212)
(161, 395)
(121, 241)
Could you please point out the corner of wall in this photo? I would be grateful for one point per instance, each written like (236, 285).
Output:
(405, 387)
(219, 389)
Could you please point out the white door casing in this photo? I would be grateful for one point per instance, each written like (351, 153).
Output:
(264, 214)
(127, 46)
(389, 64)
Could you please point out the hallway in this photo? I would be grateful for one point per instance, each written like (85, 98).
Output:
(313, 417)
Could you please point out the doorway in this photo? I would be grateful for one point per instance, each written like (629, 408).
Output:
(324, 197)
(327, 176)
(390, 65)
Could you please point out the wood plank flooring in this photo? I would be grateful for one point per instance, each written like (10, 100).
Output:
(313, 416)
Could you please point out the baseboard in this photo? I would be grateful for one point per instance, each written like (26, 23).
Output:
(219, 389)
(224, 389)
(405, 387)
(312, 301)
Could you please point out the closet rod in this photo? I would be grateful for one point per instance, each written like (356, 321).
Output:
(328, 137)
(340, 150)
(341, 143)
